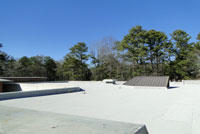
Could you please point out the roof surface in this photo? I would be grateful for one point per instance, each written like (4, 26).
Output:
(172, 111)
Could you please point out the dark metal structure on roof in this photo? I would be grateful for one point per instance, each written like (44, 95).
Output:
(154, 81)
(2, 82)
(7, 84)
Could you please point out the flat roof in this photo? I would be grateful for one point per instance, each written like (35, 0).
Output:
(164, 111)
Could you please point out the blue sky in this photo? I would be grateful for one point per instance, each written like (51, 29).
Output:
(51, 27)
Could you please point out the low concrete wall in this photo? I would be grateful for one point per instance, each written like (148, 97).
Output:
(27, 86)
(24, 94)
(195, 82)
(17, 121)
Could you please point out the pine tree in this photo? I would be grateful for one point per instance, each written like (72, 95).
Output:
(74, 66)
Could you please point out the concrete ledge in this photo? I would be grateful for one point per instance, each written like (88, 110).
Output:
(24, 121)
(28, 86)
(195, 82)
(24, 94)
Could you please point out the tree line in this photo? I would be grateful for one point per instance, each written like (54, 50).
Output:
(140, 53)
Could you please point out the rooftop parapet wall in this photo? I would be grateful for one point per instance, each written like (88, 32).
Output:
(195, 82)
(25, 94)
